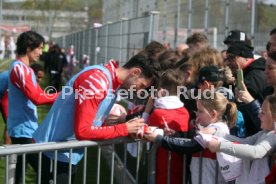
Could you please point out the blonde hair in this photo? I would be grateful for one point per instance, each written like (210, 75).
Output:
(225, 109)
(204, 57)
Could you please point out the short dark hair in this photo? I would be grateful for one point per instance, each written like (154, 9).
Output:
(36, 67)
(168, 59)
(273, 31)
(170, 80)
(154, 48)
(29, 39)
(197, 38)
(148, 66)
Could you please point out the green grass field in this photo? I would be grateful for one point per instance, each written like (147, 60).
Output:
(91, 156)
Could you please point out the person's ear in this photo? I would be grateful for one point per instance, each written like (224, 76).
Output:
(136, 71)
(163, 92)
(206, 84)
(187, 77)
(238, 62)
(188, 74)
(214, 114)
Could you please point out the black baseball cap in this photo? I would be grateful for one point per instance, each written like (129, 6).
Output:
(209, 73)
(241, 49)
(235, 36)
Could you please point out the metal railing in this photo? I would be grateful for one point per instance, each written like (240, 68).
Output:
(10, 153)
(117, 164)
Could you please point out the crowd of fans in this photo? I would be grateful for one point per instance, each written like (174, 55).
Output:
(201, 92)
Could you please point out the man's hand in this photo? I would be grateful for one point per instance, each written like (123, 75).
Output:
(134, 125)
(150, 137)
(213, 145)
(112, 119)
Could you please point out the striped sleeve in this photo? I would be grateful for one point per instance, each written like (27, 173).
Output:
(21, 77)
(91, 88)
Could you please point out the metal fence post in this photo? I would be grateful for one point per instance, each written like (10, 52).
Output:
(153, 28)
(253, 12)
(70, 166)
(184, 169)
(89, 45)
(99, 164)
(39, 167)
(75, 44)
(121, 37)
(215, 33)
(83, 45)
(80, 50)
(150, 28)
(169, 167)
(84, 165)
(106, 41)
(206, 16)
(138, 162)
(226, 18)
(96, 45)
(177, 18)
(165, 21)
(152, 163)
(11, 161)
(24, 168)
(63, 41)
(200, 169)
(190, 18)
(112, 164)
(125, 163)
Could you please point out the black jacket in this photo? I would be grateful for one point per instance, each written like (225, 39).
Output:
(179, 145)
(254, 80)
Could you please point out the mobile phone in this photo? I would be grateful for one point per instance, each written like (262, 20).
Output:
(240, 79)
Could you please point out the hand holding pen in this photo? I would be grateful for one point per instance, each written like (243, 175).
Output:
(167, 130)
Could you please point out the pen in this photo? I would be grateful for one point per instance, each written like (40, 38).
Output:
(165, 123)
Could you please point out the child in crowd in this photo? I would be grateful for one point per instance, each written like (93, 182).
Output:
(170, 112)
(254, 150)
(211, 78)
(212, 111)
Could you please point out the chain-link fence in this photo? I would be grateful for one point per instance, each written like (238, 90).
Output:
(119, 40)
(179, 18)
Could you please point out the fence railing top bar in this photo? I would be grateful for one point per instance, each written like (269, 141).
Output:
(145, 16)
(125, 18)
(49, 146)
(134, 18)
